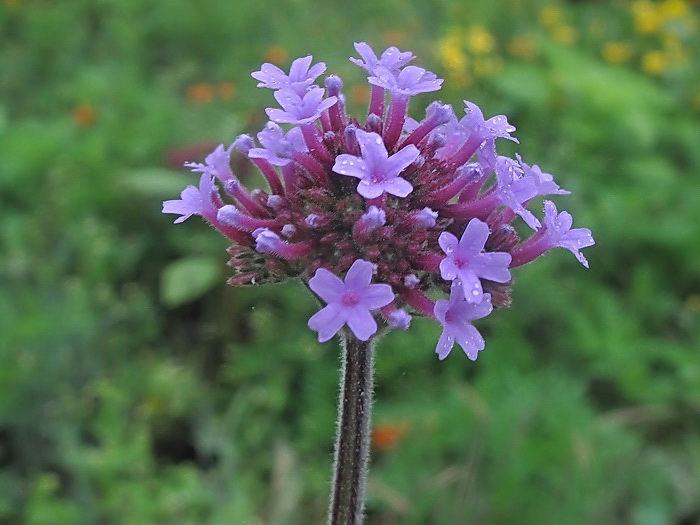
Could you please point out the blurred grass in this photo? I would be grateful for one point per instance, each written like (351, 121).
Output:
(125, 399)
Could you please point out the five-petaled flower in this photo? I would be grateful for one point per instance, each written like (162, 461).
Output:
(455, 316)
(377, 171)
(349, 302)
(467, 262)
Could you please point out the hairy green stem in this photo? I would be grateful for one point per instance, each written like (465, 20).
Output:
(353, 432)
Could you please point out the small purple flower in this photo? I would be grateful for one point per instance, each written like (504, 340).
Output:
(544, 182)
(378, 173)
(298, 110)
(391, 59)
(455, 315)
(492, 128)
(467, 262)
(514, 189)
(194, 201)
(410, 81)
(300, 76)
(349, 302)
(278, 148)
(216, 164)
(558, 232)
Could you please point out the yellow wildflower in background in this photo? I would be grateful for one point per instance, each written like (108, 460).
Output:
(454, 60)
(616, 52)
(550, 17)
(564, 34)
(479, 40)
(654, 62)
(646, 16)
(673, 9)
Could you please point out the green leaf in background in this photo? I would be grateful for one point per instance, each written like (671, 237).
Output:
(156, 183)
(188, 279)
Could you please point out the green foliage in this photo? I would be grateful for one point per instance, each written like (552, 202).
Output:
(136, 388)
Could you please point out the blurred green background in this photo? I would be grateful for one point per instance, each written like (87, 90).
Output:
(136, 388)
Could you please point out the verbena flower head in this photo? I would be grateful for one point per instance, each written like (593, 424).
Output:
(381, 216)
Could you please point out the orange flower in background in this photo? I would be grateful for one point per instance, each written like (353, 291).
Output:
(523, 46)
(84, 115)
(359, 94)
(276, 54)
(386, 436)
(200, 93)
(226, 90)
(394, 37)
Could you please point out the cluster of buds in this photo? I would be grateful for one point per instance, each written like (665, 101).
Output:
(384, 217)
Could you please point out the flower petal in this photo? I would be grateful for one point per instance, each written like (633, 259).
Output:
(327, 285)
(362, 323)
(327, 322)
(359, 275)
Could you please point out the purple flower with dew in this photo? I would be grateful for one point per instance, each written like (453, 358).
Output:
(216, 164)
(514, 189)
(378, 172)
(455, 316)
(411, 80)
(556, 232)
(278, 148)
(297, 109)
(434, 209)
(392, 59)
(301, 75)
(544, 182)
(492, 128)
(195, 201)
(467, 262)
(349, 302)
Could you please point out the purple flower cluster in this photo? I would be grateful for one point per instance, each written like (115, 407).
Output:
(378, 217)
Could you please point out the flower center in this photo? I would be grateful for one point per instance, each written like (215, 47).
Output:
(350, 299)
